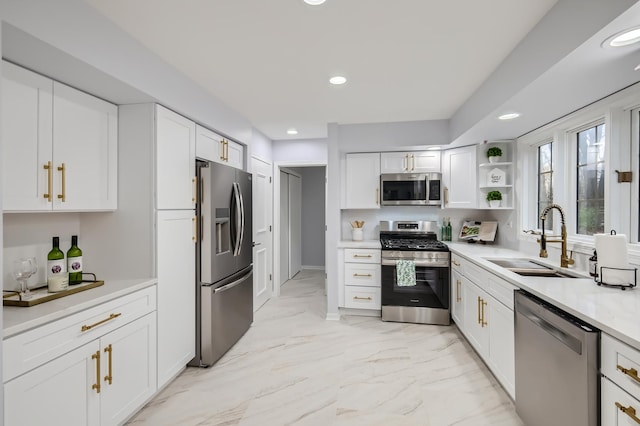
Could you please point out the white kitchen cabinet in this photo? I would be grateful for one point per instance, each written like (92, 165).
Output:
(213, 147)
(501, 360)
(477, 316)
(105, 374)
(359, 283)
(457, 304)
(175, 159)
(620, 393)
(410, 162)
(459, 178)
(362, 181)
(176, 292)
(60, 146)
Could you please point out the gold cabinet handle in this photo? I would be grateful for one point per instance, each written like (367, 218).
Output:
(89, 327)
(362, 255)
(406, 162)
(479, 303)
(458, 298)
(96, 385)
(222, 149)
(483, 323)
(49, 169)
(109, 376)
(227, 154)
(63, 169)
(195, 229)
(361, 298)
(629, 411)
(195, 190)
(631, 372)
(446, 196)
(455, 263)
(362, 275)
(413, 162)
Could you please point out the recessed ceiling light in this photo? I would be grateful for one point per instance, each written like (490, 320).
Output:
(509, 116)
(338, 79)
(292, 131)
(623, 38)
(314, 2)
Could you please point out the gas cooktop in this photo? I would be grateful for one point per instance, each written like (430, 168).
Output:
(410, 236)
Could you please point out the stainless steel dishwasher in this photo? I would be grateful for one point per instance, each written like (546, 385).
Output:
(557, 363)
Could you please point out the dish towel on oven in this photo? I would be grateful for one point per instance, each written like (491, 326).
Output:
(406, 273)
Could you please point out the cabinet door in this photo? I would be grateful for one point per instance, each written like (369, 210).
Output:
(60, 392)
(209, 145)
(128, 369)
(27, 108)
(235, 155)
(501, 343)
(457, 310)
(425, 162)
(175, 156)
(611, 397)
(474, 326)
(85, 151)
(460, 177)
(176, 292)
(362, 181)
(394, 162)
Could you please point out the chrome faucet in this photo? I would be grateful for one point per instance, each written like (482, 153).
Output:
(565, 261)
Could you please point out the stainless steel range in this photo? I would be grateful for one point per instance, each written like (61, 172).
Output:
(415, 273)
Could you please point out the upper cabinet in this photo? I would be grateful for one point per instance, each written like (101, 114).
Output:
(175, 155)
(459, 178)
(213, 147)
(362, 181)
(410, 162)
(60, 146)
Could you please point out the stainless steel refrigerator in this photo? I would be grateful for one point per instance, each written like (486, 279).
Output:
(224, 260)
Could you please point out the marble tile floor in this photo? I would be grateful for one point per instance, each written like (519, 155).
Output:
(293, 367)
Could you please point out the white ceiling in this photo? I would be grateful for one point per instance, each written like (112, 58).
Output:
(270, 60)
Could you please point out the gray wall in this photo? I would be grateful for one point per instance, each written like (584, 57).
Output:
(313, 215)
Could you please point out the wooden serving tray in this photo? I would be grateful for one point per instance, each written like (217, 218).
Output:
(42, 295)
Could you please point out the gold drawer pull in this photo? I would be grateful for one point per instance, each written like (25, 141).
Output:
(631, 372)
(89, 327)
(96, 385)
(458, 298)
(109, 376)
(362, 275)
(455, 263)
(63, 170)
(49, 169)
(479, 302)
(629, 411)
(361, 298)
(483, 323)
(362, 255)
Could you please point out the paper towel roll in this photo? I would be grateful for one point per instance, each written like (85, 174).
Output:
(612, 253)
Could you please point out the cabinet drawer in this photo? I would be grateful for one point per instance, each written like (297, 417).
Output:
(365, 274)
(362, 255)
(32, 348)
(475, 273)
(617, 356)
(501, 289)
(610, 413)
(362, 297)
(456, 262)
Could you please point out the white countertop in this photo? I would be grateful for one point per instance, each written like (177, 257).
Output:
(372, 244)
(18, 319)
(614, 311)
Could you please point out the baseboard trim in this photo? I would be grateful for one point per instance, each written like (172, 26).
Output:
(333, 316)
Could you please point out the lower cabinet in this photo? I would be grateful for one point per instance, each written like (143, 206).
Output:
(359, 284)
(620, 386)
(101, 382)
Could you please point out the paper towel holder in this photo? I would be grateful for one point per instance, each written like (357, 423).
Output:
(600, 281)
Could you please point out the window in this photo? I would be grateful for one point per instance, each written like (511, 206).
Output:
(545, 182)
(590, 180)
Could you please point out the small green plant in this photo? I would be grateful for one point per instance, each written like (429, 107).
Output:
(494, 151)
(494, 195)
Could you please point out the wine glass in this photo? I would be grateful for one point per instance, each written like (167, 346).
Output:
(23, 269)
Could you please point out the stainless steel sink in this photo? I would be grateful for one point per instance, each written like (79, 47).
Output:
(531, 268)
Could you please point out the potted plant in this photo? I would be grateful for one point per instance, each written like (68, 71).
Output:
(494, 153)
(494, 198)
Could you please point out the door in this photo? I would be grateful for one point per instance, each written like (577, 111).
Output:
(27, 113)
(457, 312)
(295, 225)
(284, 227)
(176, 291)
(362, 190)
(262, 236)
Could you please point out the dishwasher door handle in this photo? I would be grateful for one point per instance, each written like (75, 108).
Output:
(568, 340)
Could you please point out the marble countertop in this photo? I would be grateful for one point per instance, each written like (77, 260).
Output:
(612, 310)
(372, 244)
(19, 319)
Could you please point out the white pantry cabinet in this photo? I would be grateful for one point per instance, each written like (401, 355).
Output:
(60, 146)
(362, 181)
(410, 162)
(213, 147)
(459, 178)
(105, 373)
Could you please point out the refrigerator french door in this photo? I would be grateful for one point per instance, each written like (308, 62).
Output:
(224, 262)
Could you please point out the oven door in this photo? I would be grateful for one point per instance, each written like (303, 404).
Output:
(431, 289)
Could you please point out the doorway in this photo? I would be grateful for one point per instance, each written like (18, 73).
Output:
(299, 206)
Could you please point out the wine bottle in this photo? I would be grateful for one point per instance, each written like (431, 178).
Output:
(448, 229)
(57, 277)
(74, 262)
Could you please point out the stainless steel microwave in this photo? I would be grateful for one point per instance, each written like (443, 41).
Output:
(411, 189)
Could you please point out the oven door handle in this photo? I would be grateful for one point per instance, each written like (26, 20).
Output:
(422, 263)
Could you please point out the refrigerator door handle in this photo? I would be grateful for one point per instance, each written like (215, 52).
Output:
(241, 239)
(238, 219)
